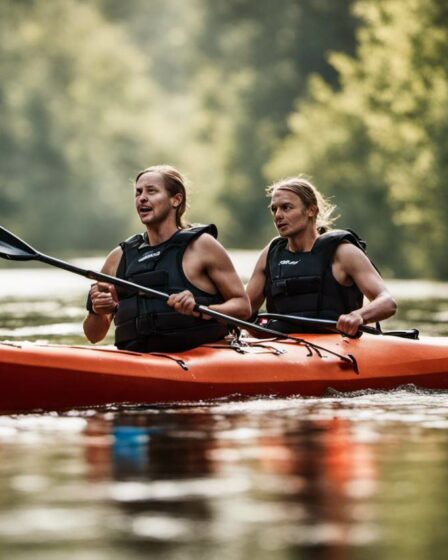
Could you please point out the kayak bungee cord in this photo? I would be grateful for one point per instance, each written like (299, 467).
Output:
(178, 361)
(310, 346)
(14, 248)
(244, 346)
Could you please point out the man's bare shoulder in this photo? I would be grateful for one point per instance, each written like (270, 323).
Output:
(265, 250)
(207, 242)
(112, 261)
(207, 251)
(351, 257)
(263, 257)
(348, 250)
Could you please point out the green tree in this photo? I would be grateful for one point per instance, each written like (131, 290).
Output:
(75, 107)
(165, 33)
(380, 143)
(252, 60)
(93, 90)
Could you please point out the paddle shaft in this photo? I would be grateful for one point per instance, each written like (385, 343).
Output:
(311, 322)
(101, 277)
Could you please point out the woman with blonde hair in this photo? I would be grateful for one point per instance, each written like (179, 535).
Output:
(312, 270)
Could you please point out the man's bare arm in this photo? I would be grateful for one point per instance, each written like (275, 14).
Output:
(358, 268)
(256, 285)
(104, 301)
(222, 273)
(218, 267)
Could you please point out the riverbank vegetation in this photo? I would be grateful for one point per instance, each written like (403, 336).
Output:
(353, 94)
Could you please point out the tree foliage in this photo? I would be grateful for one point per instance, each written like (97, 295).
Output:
(379, 144)
(73, 103)
(252, 61)
(236, 94)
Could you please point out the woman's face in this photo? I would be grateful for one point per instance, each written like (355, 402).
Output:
(290, 215)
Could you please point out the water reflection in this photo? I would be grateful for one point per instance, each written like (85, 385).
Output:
(342, 477)
(310, 478)
(193, 477)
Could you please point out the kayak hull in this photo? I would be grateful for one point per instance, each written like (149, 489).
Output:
(56, 377)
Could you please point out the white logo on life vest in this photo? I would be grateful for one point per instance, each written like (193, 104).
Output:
(290, 262)
(149, 256)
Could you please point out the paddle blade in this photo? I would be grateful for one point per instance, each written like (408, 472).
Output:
(13, 248)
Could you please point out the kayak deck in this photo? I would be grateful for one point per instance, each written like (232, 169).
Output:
(57, 377)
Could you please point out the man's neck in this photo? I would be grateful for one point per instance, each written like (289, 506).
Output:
(158, 234)
(303, 241)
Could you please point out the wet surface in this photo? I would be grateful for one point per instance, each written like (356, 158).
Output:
(334, 477)
(344, 476)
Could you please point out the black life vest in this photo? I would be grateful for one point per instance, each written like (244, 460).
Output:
(303, 283)
(149, 324)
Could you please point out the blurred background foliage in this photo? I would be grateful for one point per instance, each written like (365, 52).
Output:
(237, 94)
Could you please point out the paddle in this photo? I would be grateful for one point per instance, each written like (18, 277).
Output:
(14, 248)
(328, 325)
(310, 322)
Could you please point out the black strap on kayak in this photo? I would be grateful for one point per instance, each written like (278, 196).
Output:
(310, 347)
(178, 361)
(243, 346)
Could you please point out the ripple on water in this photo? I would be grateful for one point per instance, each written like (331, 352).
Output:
(217, 479)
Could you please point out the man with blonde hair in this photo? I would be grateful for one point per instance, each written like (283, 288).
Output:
(186, 262)
(312, 270)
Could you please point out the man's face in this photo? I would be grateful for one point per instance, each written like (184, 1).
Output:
(152, 201)
(289, 213)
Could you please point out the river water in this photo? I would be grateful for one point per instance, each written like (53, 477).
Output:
(334, 478)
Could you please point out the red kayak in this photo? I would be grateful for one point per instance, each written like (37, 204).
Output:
(56, 377)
